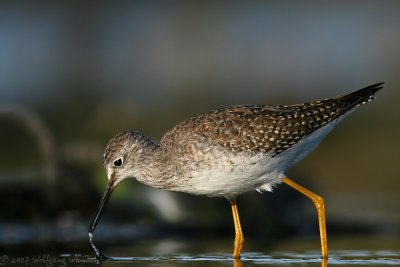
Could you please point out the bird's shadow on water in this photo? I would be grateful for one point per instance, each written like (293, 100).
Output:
(356, 258)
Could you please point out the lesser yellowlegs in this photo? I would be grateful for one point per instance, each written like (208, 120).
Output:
(228, 152)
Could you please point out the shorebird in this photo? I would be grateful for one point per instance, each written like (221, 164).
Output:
(228, 152)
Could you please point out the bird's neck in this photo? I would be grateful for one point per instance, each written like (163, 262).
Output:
(152, 166)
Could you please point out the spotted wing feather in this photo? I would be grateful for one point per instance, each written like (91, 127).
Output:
(270, 129)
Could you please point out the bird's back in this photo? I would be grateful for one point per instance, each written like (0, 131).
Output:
(266, 128)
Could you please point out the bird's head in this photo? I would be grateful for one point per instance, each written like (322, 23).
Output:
(123, 155)
(122, 159)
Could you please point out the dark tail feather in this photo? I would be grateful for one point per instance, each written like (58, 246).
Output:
(361, 96)
(351, 100)
(341, 104)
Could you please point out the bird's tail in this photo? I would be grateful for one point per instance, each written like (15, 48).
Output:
(360, 96)
(341, 104)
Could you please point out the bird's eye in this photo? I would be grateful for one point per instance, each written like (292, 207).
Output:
(118, 162)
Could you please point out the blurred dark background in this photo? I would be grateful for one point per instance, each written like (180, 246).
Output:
(74, 73)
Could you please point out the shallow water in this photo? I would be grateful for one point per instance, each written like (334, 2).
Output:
(215, 253)
(356, 258)
(346, 258)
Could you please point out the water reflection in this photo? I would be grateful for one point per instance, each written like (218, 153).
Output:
(372, 252)
(356, 258)
(347, 258)
(223, 260)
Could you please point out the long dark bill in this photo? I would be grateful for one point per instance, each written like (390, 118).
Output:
(99, 211)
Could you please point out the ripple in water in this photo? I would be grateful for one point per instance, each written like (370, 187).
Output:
(345, 257)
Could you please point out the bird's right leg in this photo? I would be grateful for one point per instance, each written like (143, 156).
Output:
(319, 204)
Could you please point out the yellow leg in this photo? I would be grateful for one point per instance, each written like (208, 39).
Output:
(324, 262)
(239, 239)
(319, 204)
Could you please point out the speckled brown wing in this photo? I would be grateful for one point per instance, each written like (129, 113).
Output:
(272, 129)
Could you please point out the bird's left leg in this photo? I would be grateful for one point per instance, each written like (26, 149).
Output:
(239, 239)
(319, 204)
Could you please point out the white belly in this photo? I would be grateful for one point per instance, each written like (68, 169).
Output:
(229, 179)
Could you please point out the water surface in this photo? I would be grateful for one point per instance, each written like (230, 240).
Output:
(345, 258)
(356, 251)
